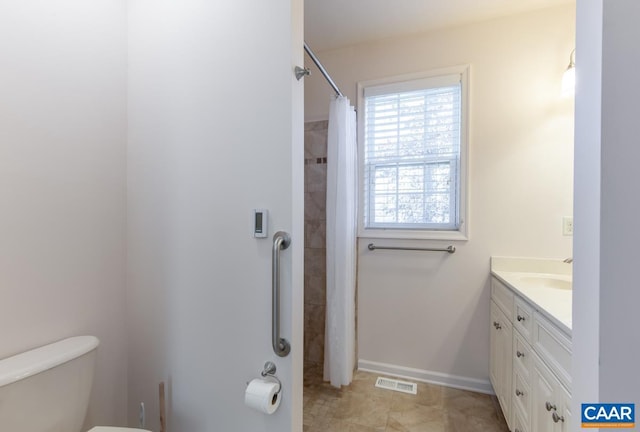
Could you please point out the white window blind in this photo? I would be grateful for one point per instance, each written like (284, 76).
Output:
(412, 142)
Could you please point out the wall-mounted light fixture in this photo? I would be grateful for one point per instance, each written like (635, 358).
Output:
(569, 77)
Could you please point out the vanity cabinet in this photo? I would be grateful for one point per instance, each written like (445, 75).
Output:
(500, 338)
(530, 360)
(550, 400)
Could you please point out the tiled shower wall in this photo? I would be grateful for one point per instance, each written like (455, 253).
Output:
(315, 191)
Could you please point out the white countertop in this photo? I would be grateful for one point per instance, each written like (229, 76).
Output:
(521, 275)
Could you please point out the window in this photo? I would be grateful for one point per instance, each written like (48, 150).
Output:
(413, 146)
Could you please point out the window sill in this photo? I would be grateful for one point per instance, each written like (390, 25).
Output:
(412, 234)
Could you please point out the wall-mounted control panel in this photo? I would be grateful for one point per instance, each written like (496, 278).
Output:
(260, 223)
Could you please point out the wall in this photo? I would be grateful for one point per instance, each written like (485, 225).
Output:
(587, 203)
(315, 229)
(62, 183)
(620, 232)
(215, 130)
(429, 312)
(607, 233)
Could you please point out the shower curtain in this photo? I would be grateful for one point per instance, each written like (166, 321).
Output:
(340, 330)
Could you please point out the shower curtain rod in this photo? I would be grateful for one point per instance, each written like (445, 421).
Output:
(322, 69)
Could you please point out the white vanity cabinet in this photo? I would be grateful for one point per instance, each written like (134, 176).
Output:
(550, 400)
(530, 371)
(500, 338)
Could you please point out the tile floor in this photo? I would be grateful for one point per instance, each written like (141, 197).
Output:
(361, 407)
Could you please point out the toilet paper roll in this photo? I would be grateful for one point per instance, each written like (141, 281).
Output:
(262, 395)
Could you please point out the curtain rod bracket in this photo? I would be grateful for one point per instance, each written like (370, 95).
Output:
(301, 72)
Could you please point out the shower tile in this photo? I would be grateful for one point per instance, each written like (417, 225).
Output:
(314, 318)
(315, 177)
(315, 134)
(315, 205)
(316, 125)
(315, 263)
(315, 233)
(315, 289)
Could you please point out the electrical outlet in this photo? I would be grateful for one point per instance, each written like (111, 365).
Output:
(567, 225)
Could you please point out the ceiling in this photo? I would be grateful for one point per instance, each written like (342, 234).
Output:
(331, 24)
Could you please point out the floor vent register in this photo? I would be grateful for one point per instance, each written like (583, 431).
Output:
(396, 385)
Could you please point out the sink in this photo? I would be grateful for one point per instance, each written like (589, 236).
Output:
(550, 281)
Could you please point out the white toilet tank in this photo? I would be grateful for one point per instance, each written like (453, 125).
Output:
(47, 389)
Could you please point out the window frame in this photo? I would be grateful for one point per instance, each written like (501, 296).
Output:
(410, 232)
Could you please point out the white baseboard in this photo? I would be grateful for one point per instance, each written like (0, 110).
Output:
(447, 380)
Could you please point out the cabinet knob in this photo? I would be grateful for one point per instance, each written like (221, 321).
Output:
(557, 418)
(519, 393)
(519, 354)
(520, 318)
(549, 407)
(497, 325)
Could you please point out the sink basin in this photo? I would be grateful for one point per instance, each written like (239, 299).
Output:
(548, 281)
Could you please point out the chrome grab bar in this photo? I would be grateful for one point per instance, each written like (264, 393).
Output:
(281, 347)
(450, 249)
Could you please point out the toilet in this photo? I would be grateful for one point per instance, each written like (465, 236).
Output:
(48, 388)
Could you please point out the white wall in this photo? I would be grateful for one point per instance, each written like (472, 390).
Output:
(429, 311)
(587, 202)
(215, 130)
(605, 356)
(62, 183)
(620, 207)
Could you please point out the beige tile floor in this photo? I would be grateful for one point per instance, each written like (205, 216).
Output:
(361, 407)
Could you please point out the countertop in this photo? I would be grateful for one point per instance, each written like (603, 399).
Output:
(555, 304)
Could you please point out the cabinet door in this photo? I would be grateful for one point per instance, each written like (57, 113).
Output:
(542, 393)
(564, 410)
(501, 366)
(551, 403)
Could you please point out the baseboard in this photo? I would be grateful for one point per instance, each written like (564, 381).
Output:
(447, 380)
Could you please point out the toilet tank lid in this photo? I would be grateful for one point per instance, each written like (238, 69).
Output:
(26, 364)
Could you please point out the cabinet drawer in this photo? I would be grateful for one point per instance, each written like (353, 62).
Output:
(521, 355)
(553, 347)
(523, 318)
(503, 297)
(521, 396)
(519, 425)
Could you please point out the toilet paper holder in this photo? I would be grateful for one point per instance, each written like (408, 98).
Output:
(269, 371)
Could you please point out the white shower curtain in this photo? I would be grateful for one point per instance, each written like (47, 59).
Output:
(340, 330)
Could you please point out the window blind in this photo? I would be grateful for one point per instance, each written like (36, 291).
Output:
(412, 154)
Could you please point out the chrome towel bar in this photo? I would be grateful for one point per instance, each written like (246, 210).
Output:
(450, 249)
